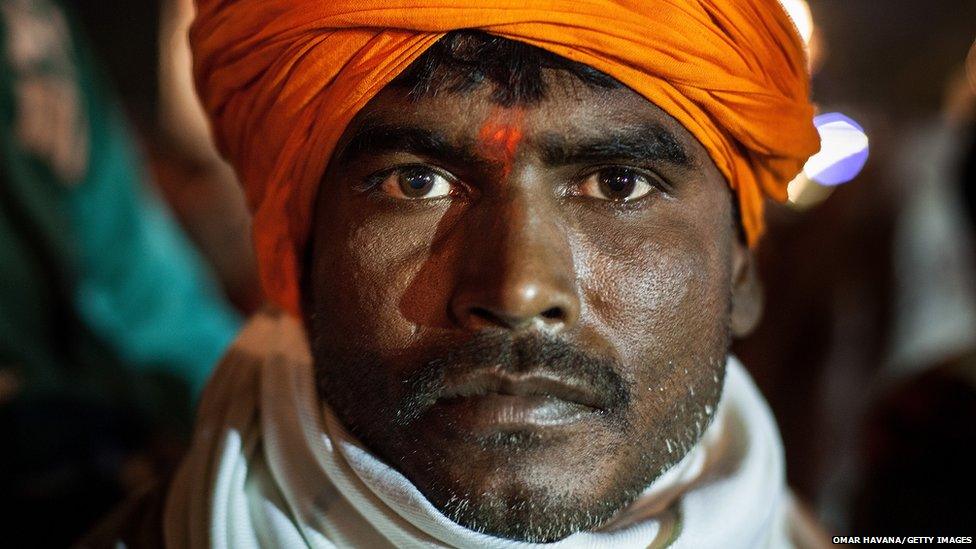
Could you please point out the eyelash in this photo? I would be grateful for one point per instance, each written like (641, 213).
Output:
(372, 181)
(656, 180)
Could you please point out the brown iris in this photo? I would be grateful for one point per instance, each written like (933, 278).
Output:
(618, 184)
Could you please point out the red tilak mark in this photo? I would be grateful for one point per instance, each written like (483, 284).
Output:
(500, 136)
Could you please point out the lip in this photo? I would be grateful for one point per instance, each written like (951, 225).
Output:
(492, 381)
(490, 400)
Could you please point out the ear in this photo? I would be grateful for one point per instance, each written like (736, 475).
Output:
(747, 292)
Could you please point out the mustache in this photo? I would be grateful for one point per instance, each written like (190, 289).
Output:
(536, 354)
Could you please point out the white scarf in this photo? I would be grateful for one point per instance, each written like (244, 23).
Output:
(271, 467)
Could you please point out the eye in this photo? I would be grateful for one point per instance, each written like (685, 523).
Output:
(416, 183)
(618, 184)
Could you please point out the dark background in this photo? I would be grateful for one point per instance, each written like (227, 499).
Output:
(869, 452)
(822, 346)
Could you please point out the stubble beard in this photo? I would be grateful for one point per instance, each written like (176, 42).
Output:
(533, 514)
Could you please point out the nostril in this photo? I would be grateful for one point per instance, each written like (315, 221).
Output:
(554, 313)
(486, 315)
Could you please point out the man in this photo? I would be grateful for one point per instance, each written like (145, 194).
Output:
(511, 245)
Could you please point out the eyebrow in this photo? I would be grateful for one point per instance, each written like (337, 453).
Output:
(650, 142)
(376, 138)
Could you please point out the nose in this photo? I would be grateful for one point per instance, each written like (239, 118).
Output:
(516, 271)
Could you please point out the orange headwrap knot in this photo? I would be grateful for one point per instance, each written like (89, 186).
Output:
(281, 79)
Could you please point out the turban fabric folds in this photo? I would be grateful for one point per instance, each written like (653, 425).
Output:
(281, 80)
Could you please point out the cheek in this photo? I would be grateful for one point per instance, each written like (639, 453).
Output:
(656, 295)
(663, 301)
(369, 278)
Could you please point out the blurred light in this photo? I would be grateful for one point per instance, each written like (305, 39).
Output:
(816, 51)
(843, 150)
(843, 153)
(803, 193)
(799, 12)
(971, 67)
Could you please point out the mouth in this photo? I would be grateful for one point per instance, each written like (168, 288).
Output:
(491, 400)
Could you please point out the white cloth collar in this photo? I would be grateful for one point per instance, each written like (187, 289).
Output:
(270, 468)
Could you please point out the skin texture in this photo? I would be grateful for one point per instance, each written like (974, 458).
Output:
(524, 265)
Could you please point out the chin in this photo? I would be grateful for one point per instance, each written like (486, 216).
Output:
(514, 504)
(518, 485)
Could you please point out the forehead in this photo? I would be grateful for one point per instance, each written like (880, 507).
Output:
(570, 111)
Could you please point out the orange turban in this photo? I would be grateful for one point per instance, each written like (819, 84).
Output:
(281, 79)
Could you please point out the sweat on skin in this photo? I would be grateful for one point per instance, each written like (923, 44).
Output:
(525, 265)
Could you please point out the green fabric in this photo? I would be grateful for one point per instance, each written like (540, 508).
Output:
(98, 285)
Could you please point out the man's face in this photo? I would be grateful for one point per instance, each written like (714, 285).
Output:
(525, 310)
